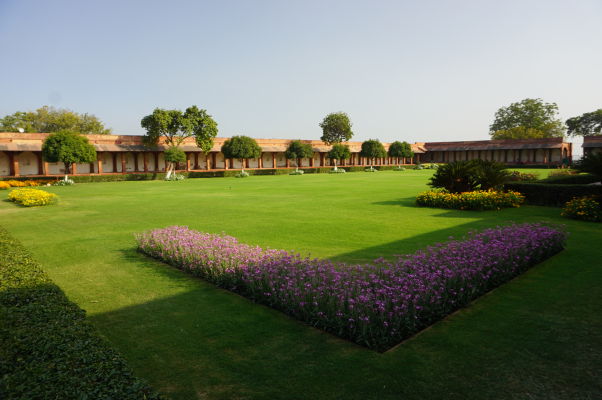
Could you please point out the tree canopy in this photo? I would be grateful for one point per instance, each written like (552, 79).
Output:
(241, 147)
(373, 148)
(336, 128)
(339, 152)
(529, 118)
(588, 124)
(69, 148)
(176, 126)
(400, 149)
(49, 119)
(174, 155)
(297, 149)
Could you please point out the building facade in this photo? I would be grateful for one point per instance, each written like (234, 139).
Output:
(20, 155)
(592, 145)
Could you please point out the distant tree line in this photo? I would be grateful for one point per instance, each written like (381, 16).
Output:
(49, 119)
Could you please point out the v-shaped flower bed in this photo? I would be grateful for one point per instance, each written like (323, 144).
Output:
(376, 305)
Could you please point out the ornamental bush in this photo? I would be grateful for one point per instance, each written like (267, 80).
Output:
(587, 208)
(375, 305)
(32, 197)
(476, 200)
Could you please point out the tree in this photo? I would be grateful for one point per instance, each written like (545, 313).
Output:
(372, 149)
(400, 150)
(242, 148)
(69, 148)
(339, 152)
(297, 150)
(336, 128)
(529, 115)
(174, 155)
(173, 127)
(588, 124)
(49, 119)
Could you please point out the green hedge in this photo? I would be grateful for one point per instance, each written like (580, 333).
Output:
(556, 195)
(47, 349)
(577, 179)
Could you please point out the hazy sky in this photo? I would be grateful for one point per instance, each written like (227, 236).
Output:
(407, 70)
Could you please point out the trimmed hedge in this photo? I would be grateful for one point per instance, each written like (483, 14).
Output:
(555, 195)
(576, 179)
(47, 349)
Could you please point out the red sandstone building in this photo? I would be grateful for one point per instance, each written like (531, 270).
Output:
(592, 145)
(20, 154)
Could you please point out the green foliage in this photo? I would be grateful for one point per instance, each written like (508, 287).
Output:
(588, 124)
(175, 126)
(372, 149)
(69, 148)
(527, 118)
(297, 149)
(241, 147)
(588, 208)
(591, 163)
(467, 176)
(336, 128)
(339, 152)
(47, 349)
(203, 127)
(517, 176)
(400, 149)
(554, 195)
(175, 155)
(49, 119)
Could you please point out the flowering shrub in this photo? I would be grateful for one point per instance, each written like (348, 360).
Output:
(297, 172)
(370, 169)
(64, 182)
(32, 197)
(587, 208)
(477, 200)
(517, 176)
(399, 169)
(337, 171)
(4, 185)
(242, 174)
(16, 183)
(376, 305)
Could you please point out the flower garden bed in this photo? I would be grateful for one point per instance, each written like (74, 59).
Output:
(30, 197)
(477, 200)
(376, 305)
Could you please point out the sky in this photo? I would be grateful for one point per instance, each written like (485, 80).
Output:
(402, 70)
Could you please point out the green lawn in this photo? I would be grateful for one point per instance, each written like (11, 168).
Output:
(537, 337)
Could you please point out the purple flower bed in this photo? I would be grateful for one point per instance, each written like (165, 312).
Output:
(376, 305)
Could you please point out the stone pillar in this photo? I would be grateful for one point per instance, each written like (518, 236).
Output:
(114, 156)
(321, 159)
(225, 162)
(145, 161)
(123, 163)
(260, 161)
(288, 163)
(213, 160)
(135, 155)
(99, 163)
(549, 158)
(73, 169)
(273, 160)
(156, 155)
(187, 163)
(40, 164)
(311, 160)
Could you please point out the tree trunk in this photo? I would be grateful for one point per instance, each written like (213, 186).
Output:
(242, 165)
(170, 168)
(335, 164)
(67, 170)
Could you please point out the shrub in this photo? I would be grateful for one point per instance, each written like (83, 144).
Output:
(337, 171)
(64, 182)
(399, 169)
(587, 208)
(47, 349)
(242, 174)
(466, 176)
(517, 176)
(543, 194)
(175, 177)
(4, 185)
(297, 172)
(477, 200)
(376, 305)
(561, 172)
(32, 197)
(371, 169)
(15, 183)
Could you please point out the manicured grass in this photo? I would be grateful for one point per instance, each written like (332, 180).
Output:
(538, 336)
